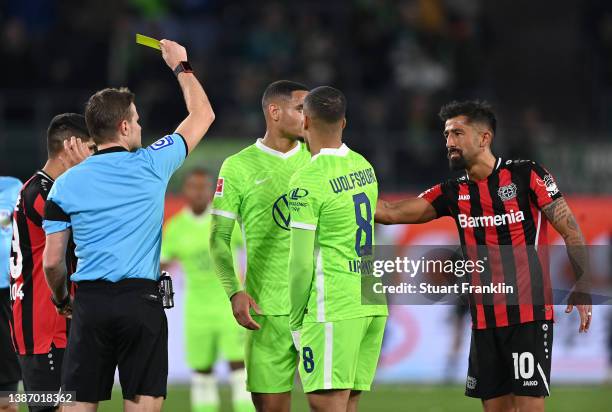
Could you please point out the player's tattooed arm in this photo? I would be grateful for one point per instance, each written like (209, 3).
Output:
(413, 210)
(561, 217)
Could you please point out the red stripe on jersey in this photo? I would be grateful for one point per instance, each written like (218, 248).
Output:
(521, 260)
(495, 261)
(470, 239)
(39, 205)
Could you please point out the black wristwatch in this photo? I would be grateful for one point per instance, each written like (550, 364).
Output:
(61, 305)
(183, 67)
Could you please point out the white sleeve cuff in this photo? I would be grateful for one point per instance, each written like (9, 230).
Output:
(224, 213)
(306, 226)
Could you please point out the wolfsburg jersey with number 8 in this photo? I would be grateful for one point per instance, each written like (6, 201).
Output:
(252, 189)
(336, 195)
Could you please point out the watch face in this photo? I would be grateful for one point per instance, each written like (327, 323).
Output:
(186, 66)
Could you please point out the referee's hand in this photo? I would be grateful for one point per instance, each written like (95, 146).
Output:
(173, 53)
(242, 302)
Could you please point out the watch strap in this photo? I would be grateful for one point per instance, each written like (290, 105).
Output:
(183, 66)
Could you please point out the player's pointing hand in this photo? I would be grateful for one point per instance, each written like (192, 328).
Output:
(241, 304)
(173, 53)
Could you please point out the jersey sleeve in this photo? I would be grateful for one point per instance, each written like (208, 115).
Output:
(167, 154)
(168, 248)
(436, 198)
(542, 186)
(228, 195)
(237, 241)
(56, 211)
(304, 200)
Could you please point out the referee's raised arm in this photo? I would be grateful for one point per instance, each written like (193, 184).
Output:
(200, 115)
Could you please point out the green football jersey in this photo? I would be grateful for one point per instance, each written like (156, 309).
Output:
(252, 188)
(335, 195)
(185, 239)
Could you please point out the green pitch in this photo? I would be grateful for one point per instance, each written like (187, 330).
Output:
(422, 398)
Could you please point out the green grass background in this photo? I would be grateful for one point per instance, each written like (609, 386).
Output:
(421, 398)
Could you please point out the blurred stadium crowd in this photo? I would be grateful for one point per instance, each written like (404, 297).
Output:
(548, 72)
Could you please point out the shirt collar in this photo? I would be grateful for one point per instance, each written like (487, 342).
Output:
(46, 176)
(341, 151)
(259, 144)
(111, 149)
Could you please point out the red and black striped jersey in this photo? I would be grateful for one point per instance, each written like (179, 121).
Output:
(36, 324)
(500, 220)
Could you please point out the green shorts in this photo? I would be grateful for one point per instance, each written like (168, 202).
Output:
(342, 354)
(210, 338)
(271, 359)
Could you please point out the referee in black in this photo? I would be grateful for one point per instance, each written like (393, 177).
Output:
(113, 203)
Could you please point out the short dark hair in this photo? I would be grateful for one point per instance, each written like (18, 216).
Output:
(280, 88)
(478, 111)
(326, 103)
(63, 127)
(105, 110)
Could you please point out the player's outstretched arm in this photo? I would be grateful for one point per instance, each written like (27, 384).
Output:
(200, 115)
(223, 260)
(413, 210)
(561, 217)
(300, 276)
(54, 264)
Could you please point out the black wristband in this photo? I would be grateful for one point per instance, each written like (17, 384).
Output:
(183, 67)
(61, 305)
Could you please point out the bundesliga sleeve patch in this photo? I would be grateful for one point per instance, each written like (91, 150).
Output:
(549, 184)
(219, 190)
(163, 142)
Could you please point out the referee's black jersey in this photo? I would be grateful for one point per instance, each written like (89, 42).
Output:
(504, 209)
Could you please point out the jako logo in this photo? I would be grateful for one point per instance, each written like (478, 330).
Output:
(464, 197)
(486, 221)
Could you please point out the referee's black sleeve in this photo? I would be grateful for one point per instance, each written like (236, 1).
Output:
(54, 212)
(184, 142)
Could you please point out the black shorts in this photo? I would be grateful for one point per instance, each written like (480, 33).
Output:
(9, 366)
(116, 324)
(42, 373)
(510, 360)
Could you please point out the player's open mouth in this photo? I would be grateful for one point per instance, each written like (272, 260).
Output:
(454, 153)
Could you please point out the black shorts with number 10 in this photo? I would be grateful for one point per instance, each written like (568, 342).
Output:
(510, 360)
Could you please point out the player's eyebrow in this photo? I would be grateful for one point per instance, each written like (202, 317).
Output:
(300, 106)
(453, 130)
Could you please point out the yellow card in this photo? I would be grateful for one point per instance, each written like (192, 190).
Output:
(147, 41)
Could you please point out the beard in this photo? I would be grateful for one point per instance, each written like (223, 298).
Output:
(458, 162)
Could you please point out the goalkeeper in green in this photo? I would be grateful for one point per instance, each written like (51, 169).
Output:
(252, 190)
(332, 202)
(210, 330)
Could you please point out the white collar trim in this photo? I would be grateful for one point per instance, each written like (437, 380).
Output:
(498, 163)
(341, 151)
(259, 144)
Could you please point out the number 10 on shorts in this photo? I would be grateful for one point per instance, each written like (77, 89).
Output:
(523, 365)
